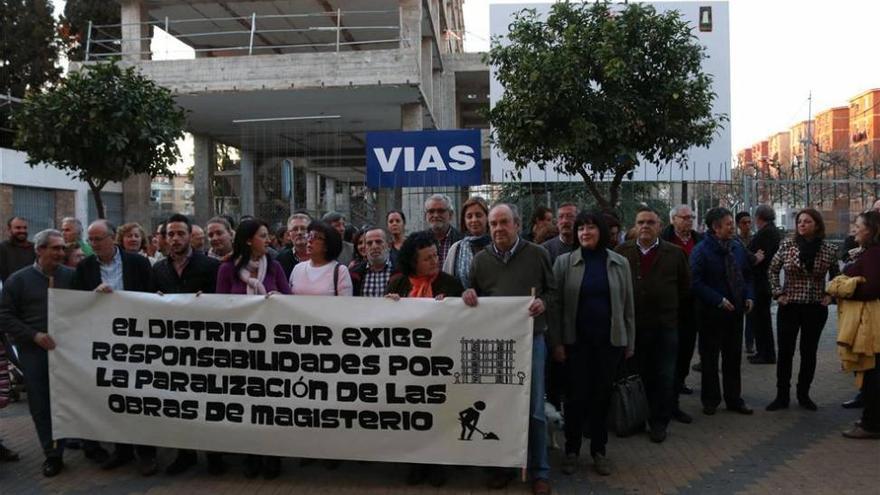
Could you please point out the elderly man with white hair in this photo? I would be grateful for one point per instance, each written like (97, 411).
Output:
(438, 216)
(72, 230)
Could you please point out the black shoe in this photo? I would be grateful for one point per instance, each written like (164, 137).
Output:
(698, 367)
(216, 466)
(854, 403)
(98, 454)
(709, 410)
(685, 390)
(7, 455)
(116, 459)
(778, 403)
(148, 466)
(271, 468)
(658, 435)
(52, 466)
(806, 402)
(682, 417)
(437, 476)
(417, 474)
(252, 466)
(185, 459)
(741, 408)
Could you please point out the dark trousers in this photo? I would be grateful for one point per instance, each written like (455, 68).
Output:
(809, 320)
(35, 363)
(556, 378)
(762, 326)
(871, 396)
(591, 373)
(655, 360)
(687, 340)
(721, 334)
(143, 451)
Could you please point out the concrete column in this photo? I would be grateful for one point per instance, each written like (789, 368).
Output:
(135, 34)
(136, 205)
(446, 106)
(203, 177)
(411, 24)
(312, 192)
(427, 73)
(246, 193)
(329, 194)
(412, 200)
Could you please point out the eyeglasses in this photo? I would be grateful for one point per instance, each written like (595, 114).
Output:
(313, 237)
(436, 211)
(685, 217)
(97, 239)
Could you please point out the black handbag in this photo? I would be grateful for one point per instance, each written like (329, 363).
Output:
(629, 405)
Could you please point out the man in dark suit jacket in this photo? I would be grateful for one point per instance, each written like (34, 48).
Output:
(109, 269)
(764, 245)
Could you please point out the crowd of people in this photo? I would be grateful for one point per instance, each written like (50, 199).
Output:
(605, 302)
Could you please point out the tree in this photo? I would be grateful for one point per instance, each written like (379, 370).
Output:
(74, 25)
(101, 125)
(593, 88)
(28, 53)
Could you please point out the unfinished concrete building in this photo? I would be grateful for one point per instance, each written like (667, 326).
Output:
(281, 93)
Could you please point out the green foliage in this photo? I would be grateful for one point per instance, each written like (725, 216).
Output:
(28, 53)
(74, 25)
(102, 125)
(594, 87)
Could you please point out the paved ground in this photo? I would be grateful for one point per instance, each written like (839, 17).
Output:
(792, 451)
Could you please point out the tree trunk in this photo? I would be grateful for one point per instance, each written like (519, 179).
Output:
(593, 188)
(99, 203)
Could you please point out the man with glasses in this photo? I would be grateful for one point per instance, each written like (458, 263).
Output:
(680, 232)
(298, 251)
(438, 215)
(111, 269)
(24, 316)
(565, 242)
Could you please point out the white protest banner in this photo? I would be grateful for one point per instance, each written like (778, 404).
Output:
(416, 380)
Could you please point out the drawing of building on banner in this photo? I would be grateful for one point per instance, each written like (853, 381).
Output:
(488, 361)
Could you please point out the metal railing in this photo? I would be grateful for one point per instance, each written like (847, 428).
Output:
(246, 35)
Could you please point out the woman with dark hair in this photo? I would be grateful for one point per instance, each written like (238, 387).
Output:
(591, 331)
(250, 271)
(395, 221)
(360, 248)
(322, 275)
(73, 254)
(420, 276)
(475, 223)
(807, 260)
(867, 266)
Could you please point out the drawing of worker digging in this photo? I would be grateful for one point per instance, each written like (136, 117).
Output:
(469, 419)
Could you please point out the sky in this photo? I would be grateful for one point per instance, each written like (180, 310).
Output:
(781, 52)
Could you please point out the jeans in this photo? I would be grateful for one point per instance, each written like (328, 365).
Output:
(35, 362)
(721, 334)
(655, 358)
(809, 320)
(539, 461)
(592, 369)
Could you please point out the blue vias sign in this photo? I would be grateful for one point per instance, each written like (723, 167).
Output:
(424, 158)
